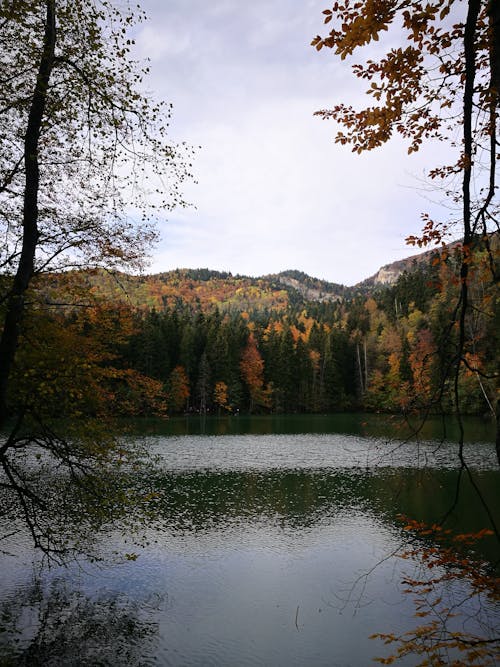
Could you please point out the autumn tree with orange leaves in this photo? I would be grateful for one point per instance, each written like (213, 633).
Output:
(443, 79)
(441, 83)
(178, 389)
(252, 371)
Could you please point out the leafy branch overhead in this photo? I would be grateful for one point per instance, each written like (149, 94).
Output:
(101, 144)
(417, 86)
(442, 83)
(439, 80)
(85, 162)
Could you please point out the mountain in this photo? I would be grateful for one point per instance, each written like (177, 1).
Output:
(389, 273)
(201, 288)
(285, 342)
(207, 289)
(311, 289)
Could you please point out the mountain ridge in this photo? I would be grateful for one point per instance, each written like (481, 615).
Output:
(206, 288)
(389, 273)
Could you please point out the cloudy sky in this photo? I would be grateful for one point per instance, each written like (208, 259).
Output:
(274, 191)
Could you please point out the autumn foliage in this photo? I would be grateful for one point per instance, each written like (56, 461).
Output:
(252, 371)
(69, 366)
(384, 350)
(456, 627)
(416, 87)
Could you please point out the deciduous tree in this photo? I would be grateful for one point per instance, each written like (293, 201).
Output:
(252, 371)
(178, 389)
(441, 81)
(82, 150)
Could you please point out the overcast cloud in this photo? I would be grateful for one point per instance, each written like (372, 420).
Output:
(274, 191)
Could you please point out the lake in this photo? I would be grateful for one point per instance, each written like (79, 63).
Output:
(276, 546)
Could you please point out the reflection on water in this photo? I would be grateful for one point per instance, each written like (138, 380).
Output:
(299, 499)
(369, 425)
(258, 557)
(312, 451)
(59, 625)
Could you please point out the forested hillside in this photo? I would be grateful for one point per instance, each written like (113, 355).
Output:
(198, 340)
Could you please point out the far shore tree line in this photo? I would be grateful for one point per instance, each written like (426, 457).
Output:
(386, 350)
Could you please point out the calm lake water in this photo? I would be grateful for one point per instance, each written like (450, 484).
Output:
(274, 548)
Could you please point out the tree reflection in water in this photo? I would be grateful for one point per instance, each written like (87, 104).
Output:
(63, 626)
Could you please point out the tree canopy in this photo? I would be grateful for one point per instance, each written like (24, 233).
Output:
(84, 162)
(438, 80)
(440, 73)
(440, 83)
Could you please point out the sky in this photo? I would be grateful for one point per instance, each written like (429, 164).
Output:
(274, 191)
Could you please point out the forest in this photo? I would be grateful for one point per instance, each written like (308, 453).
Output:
(197, 341)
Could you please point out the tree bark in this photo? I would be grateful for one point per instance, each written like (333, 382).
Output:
(16, 301)
(494, 16)
(360, 369)
(473, 9)
(494, 20)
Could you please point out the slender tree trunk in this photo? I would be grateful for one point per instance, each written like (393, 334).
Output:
(474, 7)
(360, 369)
(469, 227)
(21, 281)
(366, 364)
(494, 15)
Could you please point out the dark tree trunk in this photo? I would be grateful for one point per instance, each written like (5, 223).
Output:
(494, 14)
(21, 281)
(470, 66)
(473, 10)
(497, 443)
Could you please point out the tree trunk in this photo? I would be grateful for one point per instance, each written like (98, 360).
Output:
(366, 365)
(24, 273)
(494, 15)
(360, 369)
(474, 7)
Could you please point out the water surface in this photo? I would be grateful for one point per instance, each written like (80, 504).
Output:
(271, 549)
